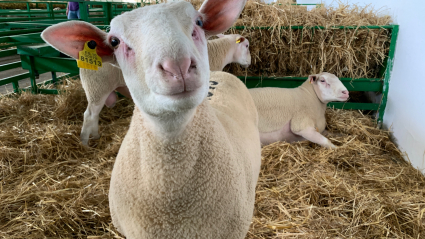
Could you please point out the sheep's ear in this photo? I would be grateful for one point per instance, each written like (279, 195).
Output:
(219, 15)
(220, 35)
(240, 39)
(312, 78)
(70, 37)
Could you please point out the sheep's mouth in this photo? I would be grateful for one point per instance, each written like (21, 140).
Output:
(343, 98)
(179, 95)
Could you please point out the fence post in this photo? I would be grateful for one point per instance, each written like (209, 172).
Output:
(28, 10)
(109, 13)
(84, 15)
(49, 7)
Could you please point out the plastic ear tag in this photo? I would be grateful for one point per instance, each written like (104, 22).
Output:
(88, 57)
(238, 41)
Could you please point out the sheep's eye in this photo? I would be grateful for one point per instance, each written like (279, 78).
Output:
(114, 42)
(247, 46)
(199, 22)
(322, 80)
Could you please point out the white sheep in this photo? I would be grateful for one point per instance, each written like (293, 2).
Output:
(188, 166)
(297, 114)
(100, 85)
(232, 48)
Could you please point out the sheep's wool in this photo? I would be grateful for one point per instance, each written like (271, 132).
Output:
(277, 106)
(201, 185)
(218, 50)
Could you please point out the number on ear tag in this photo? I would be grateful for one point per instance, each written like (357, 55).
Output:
(88, 57)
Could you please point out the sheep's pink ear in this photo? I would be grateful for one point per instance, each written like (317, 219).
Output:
(70, 37)
(312, 78)
(219, 15)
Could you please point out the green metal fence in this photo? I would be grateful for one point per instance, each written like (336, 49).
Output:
(23, 27)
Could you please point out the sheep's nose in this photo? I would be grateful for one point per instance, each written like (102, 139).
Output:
(179, 69)
(345, 92)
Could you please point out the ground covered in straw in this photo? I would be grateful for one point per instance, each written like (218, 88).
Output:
(53, 187)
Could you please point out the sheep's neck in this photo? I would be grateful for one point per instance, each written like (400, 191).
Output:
(221, 53)
(309, 88)
(171, 125)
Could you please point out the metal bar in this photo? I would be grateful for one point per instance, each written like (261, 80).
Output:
(316, 27)
(84, 15)
(11, 79)
(33, 76)
(361, 84)
(23, 12)
(390, 63)
(15, 85)
(9, 66)
(17, 32)
(10, 52)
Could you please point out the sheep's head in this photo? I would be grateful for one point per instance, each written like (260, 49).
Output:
(241, 54)
(328, 87)
(161, 49)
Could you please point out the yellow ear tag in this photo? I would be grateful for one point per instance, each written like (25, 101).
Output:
(88, 57)
(239, 40)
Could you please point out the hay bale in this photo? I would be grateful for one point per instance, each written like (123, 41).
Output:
(356, 53)
(52, 186)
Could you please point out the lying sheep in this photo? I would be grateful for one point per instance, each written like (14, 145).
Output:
(99, 85)
(188, 166)
(297, 114)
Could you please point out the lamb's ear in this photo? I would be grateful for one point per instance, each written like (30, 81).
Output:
(70, 37)
(312, 78)
(240, 39)
(219, 15)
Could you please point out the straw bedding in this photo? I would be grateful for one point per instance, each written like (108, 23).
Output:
(52, 186)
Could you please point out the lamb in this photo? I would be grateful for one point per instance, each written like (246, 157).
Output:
(297, 114)
(188, 165)
(232, 48)
(100, 85)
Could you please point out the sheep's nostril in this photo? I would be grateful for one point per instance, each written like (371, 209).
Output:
(345, 92)
(178, 68)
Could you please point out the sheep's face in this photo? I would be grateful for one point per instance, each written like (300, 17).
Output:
(162, 52)
(161, 49)
(242, 54)
(328, 87)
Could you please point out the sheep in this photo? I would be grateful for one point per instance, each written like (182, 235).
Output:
(297, 114)
(188, 166)
(232, 48)
(100, 85)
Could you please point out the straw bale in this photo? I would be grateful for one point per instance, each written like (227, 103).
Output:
(353, 53)
(52, 186)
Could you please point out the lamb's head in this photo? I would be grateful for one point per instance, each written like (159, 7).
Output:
(241, 54)
(328, 87)
(161, 50)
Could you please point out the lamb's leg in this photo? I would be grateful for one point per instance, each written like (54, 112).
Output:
(91, 121)
(312, 135)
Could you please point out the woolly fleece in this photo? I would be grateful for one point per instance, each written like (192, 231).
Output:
(277, 106)
(200, 185)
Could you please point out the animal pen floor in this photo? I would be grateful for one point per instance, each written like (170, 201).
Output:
(53, 187)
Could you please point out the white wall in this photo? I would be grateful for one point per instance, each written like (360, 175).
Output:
(405, 112)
